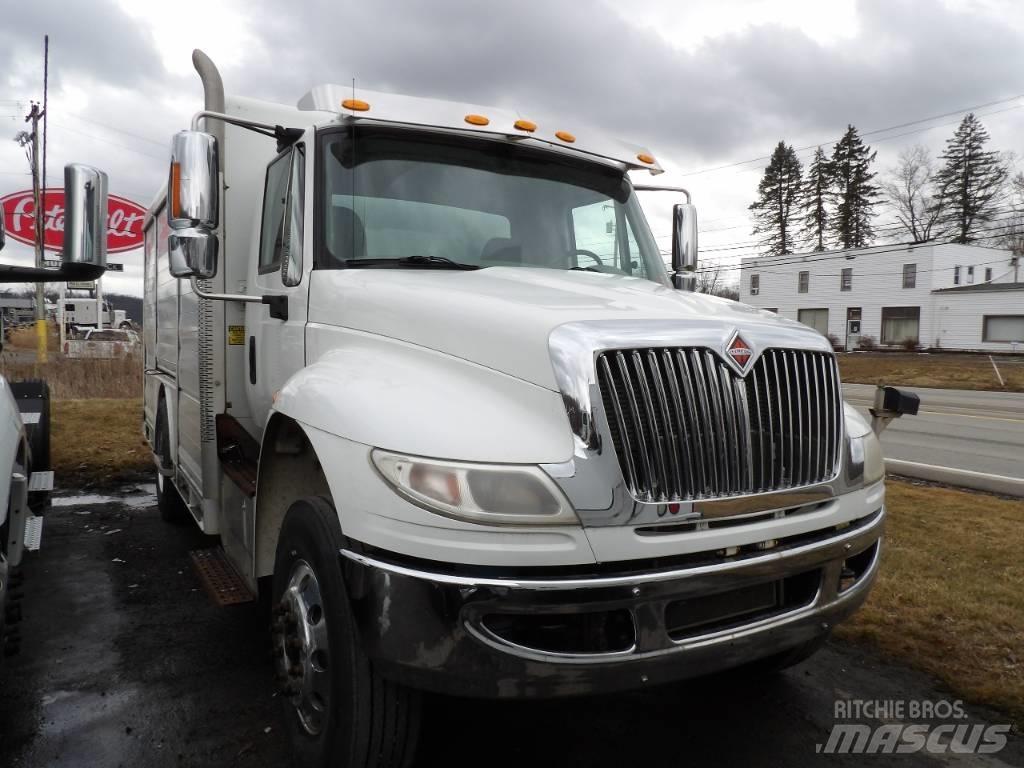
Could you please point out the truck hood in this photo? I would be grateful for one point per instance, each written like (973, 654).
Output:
(502, 317)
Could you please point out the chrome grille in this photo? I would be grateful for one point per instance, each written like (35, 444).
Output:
(685, 426)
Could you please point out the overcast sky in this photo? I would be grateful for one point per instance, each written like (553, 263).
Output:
(704, 84)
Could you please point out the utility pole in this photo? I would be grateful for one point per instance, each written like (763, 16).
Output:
(33, 117)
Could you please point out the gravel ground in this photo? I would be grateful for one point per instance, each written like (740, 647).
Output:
(126, 662)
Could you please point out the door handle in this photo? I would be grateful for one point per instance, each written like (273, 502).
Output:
(252, 359)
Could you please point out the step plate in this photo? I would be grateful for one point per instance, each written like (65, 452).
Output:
(41, 481)
(220, 578)
(33, 533)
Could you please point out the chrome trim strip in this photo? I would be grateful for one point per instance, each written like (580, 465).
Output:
(835, 546)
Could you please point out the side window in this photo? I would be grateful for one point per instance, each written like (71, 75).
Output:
(601, 244)
(291, 269)
(275, 197)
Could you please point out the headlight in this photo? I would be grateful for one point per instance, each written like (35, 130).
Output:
(867, 465)
(480, 493)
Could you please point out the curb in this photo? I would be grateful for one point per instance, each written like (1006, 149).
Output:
(979, 481)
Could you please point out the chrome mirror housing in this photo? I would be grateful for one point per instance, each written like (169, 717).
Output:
(193, 182)
(684, 246)
(85, 218)
(192, 253)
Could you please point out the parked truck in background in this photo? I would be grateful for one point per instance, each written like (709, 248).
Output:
(83, 313)
(25, 475)
(421, 367)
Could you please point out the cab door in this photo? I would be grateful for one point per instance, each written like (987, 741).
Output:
(278, 271)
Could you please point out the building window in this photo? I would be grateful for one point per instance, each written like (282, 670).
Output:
(900, 324)
(910, 275)
(771, 309)
(755, 285)
(846, 279)
(988, 274)
(970, 274)
(816, 318)
(956, 275)
(1005, 328)
(803, 282)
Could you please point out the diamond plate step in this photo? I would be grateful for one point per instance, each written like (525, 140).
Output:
(41, 481)
(33, 533)
(220, 578)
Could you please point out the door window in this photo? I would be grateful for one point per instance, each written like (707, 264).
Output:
(275, 198)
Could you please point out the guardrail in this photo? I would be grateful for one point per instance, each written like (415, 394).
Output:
(965, 478)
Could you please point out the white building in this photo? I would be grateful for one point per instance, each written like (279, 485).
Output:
(943, 296)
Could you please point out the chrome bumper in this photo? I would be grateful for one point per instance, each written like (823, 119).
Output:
(426, 627)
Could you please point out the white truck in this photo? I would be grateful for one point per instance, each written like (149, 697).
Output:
(421, 367)
(25, 476)
(82, 313)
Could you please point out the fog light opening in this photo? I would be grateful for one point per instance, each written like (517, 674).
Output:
(855, 567)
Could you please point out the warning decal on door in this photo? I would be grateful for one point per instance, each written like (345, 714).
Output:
(236, 334)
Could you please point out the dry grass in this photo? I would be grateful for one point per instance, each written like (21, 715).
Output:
(950, 596)
(943, 370)
(24, 337)
(80, 378)
(98, 442)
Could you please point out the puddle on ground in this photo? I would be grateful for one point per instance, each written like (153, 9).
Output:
(140, 496)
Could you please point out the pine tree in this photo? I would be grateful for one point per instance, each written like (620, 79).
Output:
(777, 205)
(970, 183)
(855, 194)
(817, 193)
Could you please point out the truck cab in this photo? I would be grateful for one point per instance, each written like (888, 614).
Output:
(422, 368)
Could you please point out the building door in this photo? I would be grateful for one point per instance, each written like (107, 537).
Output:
(852, 327)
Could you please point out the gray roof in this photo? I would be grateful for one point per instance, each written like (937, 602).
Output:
(982, 288)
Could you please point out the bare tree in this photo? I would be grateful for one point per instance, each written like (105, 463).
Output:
(712, 281)
(909, 187)
(1012, 237)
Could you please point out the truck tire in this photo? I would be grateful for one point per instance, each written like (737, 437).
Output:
(168, 500)
(339, 710)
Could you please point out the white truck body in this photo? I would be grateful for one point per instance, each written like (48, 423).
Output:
(341, 373)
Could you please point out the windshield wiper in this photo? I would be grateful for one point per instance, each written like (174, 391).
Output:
(422, 262)
(588, 269)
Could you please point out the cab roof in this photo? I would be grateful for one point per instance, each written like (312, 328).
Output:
(360, 104)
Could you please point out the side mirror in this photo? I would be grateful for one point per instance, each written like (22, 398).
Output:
(192, 253)
(85, 221)
(193, 182)
(684, 246)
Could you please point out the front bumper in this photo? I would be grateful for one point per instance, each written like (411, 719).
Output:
(449, 632)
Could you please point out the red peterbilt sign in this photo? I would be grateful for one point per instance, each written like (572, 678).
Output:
(124, 220)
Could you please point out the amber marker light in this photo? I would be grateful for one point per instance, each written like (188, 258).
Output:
(356, 105)
(477, 120)
(176, 190)
(565, 136)
(645, 158)
(526, 125)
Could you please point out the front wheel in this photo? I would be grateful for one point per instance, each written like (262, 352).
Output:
(339, 710)
(168, 500)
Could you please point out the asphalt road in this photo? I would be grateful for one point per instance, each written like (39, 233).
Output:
(979, 431)
(126, 662)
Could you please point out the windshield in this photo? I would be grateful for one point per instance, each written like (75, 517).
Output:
(415, 199)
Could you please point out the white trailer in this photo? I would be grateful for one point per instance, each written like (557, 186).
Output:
(420, 366)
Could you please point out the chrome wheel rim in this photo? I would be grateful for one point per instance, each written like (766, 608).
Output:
(301, 648)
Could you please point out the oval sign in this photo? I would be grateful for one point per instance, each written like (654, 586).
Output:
(124, 220)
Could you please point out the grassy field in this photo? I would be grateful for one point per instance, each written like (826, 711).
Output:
(78, 379)
(945, 370)
(99, 442)
(950, 595)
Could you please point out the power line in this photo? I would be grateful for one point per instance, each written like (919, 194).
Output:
(863, 133)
